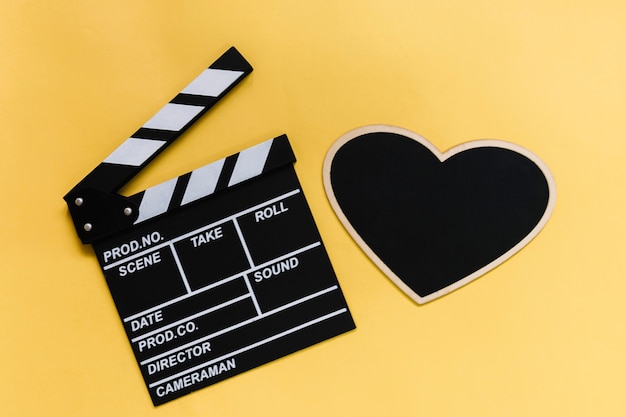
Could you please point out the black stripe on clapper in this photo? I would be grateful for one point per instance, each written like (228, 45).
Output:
(153, 134)
(227, 172)
(280, 154)
(179, 191)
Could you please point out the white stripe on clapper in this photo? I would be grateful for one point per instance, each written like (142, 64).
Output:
(156, 200)
(212, 82)
(202, 182)
(134, 151)
(250, 162)
(173, 117)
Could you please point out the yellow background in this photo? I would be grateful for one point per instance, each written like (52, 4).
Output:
(541, 335)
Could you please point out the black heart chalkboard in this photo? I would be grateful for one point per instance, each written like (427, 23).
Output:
(435, 221)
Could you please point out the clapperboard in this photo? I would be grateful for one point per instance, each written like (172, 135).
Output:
(219, 270)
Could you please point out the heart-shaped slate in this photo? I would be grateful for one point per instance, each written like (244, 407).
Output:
(435, 221)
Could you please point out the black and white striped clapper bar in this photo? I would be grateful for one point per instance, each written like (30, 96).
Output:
(219, 270)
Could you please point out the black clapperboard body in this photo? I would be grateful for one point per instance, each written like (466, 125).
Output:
(219, 270)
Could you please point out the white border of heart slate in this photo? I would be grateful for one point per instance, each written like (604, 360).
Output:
(353, 134)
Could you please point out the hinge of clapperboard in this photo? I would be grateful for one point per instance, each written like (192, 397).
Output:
(96, 208)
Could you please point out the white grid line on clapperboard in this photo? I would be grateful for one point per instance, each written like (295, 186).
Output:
(244, 243)
(242, 324)
(224, 281)
(252, 346)
(192, 317)
(179, 265)
(227, 303)
(201, 229)
(257, 307)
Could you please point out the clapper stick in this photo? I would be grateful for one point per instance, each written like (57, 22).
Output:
(95, 207)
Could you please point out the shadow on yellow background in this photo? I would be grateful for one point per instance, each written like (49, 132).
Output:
(541, 335)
